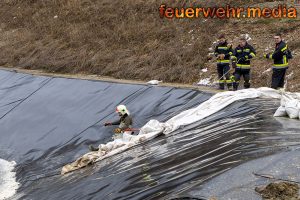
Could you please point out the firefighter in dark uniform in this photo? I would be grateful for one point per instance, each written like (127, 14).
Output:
(223, 51)
(241, 62)
(280, 57)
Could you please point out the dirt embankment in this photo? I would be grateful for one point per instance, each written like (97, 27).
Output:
(127, 39)
(279, 191)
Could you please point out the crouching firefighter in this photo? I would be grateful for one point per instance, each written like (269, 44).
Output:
(241, 62)
(124, 123)
(223, 51)
(280, 57)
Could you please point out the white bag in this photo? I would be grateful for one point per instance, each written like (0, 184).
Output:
(299, 108)
(292, 108)
(280, 112)
(127, 137)
(153, 126)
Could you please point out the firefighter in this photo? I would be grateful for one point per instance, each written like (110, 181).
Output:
(280, 57)
(124, 123)
(223, 51)
(241, 62)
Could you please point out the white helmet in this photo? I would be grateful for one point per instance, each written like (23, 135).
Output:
(122, 109)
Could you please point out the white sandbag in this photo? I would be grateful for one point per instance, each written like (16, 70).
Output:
(298, 108)
(286, 97)
(280, 112)
(292, 100)
(153, 126)
(152, 129)
(109, 146)
(102, 147)
(127, 137)
(292, 108)
(153, 82)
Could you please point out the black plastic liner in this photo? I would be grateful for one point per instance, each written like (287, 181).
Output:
(48, 122)
(240, 182)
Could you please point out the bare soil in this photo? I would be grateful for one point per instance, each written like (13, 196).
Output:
(280, 191)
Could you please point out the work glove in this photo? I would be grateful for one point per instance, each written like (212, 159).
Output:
(246, 57)
(209, 57)
(267, 55)
(221, 56)
(118, 130)
(232, 78)
(233, 58)
(107, 124)
(233, 64)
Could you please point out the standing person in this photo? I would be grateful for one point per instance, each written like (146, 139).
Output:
(241, 61)
(280, 57)
(223, 51)
(125, 123)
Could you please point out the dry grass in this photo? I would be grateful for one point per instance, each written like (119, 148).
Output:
(122, 39)
(112, 38)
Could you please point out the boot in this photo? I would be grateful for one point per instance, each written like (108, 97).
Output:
(221, 86)
(246, 85)
(235, 86)
(91, 148)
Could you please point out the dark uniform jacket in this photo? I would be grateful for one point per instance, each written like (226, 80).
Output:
(242, 55)
(223, 49)
(125, 122)
(280, 56)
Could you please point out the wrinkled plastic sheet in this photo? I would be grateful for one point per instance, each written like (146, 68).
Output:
(153, 128)
(39, 114)
(56, 119)
(240, 182)
(47, 122)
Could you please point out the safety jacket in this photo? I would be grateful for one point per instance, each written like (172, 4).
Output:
(280, 56)
(242, 56)
(125, 122)
(223, 48)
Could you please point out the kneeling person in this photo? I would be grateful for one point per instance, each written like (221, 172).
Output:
(125, 123)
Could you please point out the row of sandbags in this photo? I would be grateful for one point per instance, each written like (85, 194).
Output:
(289, 106)
(150, 130)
